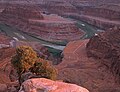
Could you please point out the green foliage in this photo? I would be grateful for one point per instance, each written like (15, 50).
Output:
(43, 68)
(24, 59)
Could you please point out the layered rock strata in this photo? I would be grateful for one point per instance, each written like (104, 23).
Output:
(105, 46)
(56, 30)
(22, 12)
(51, 27)
(76, 67)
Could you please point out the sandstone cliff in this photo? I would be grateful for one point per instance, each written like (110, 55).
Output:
(105, 47)
(76, 67)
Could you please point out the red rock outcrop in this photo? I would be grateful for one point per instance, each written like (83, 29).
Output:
(46, 85)
(106, 47)
(78, 68)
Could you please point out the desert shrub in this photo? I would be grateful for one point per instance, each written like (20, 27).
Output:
(44, 69)
(24, 59)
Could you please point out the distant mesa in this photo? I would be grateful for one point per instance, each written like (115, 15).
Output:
(22, 12)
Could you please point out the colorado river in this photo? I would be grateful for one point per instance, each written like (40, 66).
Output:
(21, 36)
(89, 30)
(18, 35)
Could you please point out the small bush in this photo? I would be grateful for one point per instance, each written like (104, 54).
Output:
(44, 69)
(24, 59)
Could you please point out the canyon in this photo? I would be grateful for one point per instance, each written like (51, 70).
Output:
(94, 63)
(47, 27)
(80, 38)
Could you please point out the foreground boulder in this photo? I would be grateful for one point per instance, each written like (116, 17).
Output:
(46, 85)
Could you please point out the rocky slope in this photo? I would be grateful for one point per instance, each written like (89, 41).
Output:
(106, 47)
(8, 75)
(85, 71)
